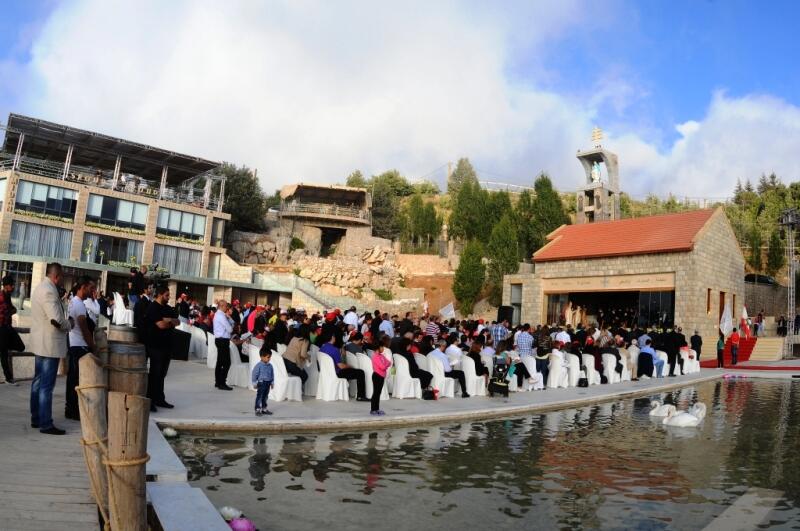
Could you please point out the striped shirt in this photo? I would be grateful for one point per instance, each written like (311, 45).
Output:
(432, 329)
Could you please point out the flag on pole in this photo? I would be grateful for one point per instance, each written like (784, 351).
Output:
(743, 325)
(448, 312)
(726, 321)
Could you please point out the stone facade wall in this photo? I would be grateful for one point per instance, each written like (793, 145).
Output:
(351, 276)
(715, 263)
(230, 270)
(773, 299)
(423, 264)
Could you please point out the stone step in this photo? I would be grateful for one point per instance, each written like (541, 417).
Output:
(768, 349)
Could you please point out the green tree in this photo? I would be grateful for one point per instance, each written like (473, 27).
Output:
(387, 221)
(755, 249)
(393, 182)
(273, 201)
(469, 277)
(548, 211)
(525, 228)
(426, 188)
(776, 254)
(503, 254)
(464, 173)
(245, 201)
(356, 180)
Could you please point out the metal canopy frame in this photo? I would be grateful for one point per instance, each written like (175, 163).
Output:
(790, 221)
(51, 141)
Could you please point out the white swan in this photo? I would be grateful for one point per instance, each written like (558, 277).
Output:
(687, 419)
(661, 410)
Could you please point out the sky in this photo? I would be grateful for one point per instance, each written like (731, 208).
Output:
(691, 95)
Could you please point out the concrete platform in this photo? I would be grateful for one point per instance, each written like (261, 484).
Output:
(201, 407)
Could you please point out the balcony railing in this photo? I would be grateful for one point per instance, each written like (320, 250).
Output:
(295, 207)
(129, 183)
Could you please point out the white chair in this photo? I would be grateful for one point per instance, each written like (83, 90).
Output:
(609, 364)
(365, 364)
(574, 369)
(592, 375)
(122, 316)
(488, 362)
(404, 385)
(312, 369)
(558, 375)
(211, 359)
(238, 375)
(526, 384)
(660, 354)
(330, 386)
(254, 357)
(690, 366)
(422, 361)
(626, 371)
(446, 386)
(633, 366)
(285, 387)
(476, 385)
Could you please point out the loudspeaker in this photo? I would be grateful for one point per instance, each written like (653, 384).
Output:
(179, 345)
(505, 313)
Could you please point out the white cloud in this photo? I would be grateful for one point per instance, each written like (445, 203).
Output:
(309, 91)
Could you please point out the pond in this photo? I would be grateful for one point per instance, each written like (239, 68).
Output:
(604, 466)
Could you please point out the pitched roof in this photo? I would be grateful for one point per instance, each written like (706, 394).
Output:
(668, 233)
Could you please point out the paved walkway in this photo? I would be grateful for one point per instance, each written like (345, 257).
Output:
(43, 479)
(199, 406)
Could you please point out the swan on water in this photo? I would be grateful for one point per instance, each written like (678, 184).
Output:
(659, 410)
(684, 419)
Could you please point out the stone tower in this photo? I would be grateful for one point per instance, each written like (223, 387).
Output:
(598, 198)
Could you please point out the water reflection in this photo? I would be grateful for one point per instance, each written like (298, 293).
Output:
(609, 465)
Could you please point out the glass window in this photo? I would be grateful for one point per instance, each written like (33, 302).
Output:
(104, 249)
(44, 199)
(217, 232)
(177, 261)
(213, 265)
(3, 184)
(39, 240)
(181, 224)
(116, 212)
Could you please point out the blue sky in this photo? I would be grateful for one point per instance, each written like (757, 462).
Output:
(691, 94)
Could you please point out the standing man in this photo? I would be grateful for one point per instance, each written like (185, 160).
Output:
(184, 309)
(697, 343)
(499, 332)
(136, 285)
(223, 327)
(735, 338)
(160, 319)
(81, 341)
(49, 345)
(6, 331)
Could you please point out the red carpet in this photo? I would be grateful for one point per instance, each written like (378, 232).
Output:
(746, 347)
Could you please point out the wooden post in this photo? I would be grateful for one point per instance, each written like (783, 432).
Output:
(92, 403)
(127, 356)
(128, 416)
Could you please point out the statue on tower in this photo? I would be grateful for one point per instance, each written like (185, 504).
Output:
(596, 172)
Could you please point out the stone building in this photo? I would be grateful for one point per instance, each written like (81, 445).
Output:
(680, 269)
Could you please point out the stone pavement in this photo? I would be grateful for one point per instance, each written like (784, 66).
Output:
(199, 406)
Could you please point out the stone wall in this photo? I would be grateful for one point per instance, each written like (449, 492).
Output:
(256, 248)
(423, 264)
(715, 263)
(773, 299)
(351, 276)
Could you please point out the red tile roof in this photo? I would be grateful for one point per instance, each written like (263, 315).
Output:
(668, 233)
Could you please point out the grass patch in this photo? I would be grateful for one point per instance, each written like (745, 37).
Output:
(383, 294)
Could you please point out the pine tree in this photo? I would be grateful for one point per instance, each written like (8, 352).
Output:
(469, 277)
(776, 254)
(245, 201)
(755, 250)
(763, 184)
(748, 186)
(467, 215)
(548, 211)
(503, 254)
(525, 229)
(464, 173)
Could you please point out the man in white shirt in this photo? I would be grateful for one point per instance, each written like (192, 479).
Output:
(81, 341)
(453, 351)
(223, 327)
(351, 317)
(449, 372)
(563, 337)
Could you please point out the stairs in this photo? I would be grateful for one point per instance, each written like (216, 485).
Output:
(746, 347)
(768, 349)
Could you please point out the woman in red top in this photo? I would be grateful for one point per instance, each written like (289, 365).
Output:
(380, 365)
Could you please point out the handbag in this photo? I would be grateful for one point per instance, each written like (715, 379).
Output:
(12, 340)
(510, 373)
(429, 394)
(583, 382)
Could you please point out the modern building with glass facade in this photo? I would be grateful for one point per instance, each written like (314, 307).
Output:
(103, 205)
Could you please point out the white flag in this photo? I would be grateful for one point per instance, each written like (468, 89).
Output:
(726, 322)
(448, 312)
